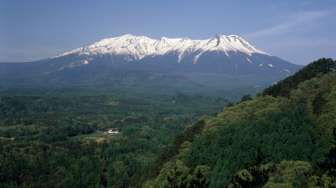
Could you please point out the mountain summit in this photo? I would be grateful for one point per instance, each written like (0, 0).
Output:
(139, 47)
(215, 65)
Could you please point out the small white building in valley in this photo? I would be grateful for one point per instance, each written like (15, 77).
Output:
(113, 131)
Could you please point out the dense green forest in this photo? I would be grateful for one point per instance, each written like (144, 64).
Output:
(58, 138)
(283, 137)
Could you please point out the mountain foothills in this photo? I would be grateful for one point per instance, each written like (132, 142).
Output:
(222, 64)
(83, 137)
(284, 137)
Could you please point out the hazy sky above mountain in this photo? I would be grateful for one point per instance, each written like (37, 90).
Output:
(296, 30)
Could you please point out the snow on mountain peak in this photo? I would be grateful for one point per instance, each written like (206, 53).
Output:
(138, 47)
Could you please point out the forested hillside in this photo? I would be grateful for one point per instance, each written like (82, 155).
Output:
(284, 137)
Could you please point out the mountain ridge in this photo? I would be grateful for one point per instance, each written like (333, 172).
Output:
(139, 47)
(216, 65)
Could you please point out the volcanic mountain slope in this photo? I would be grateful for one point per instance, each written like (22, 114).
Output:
(128, 61)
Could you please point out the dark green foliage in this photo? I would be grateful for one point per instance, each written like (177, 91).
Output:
(329, 164)
(58, 139)
(172, 150)
(284, 87)
(242, 144)
(200, 177)
(269, 141)
(318, 102)
(253, 176)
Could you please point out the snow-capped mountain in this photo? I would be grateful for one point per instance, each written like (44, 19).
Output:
(221, 63)
(139, 47)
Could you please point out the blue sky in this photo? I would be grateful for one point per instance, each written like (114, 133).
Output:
(296, 30)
